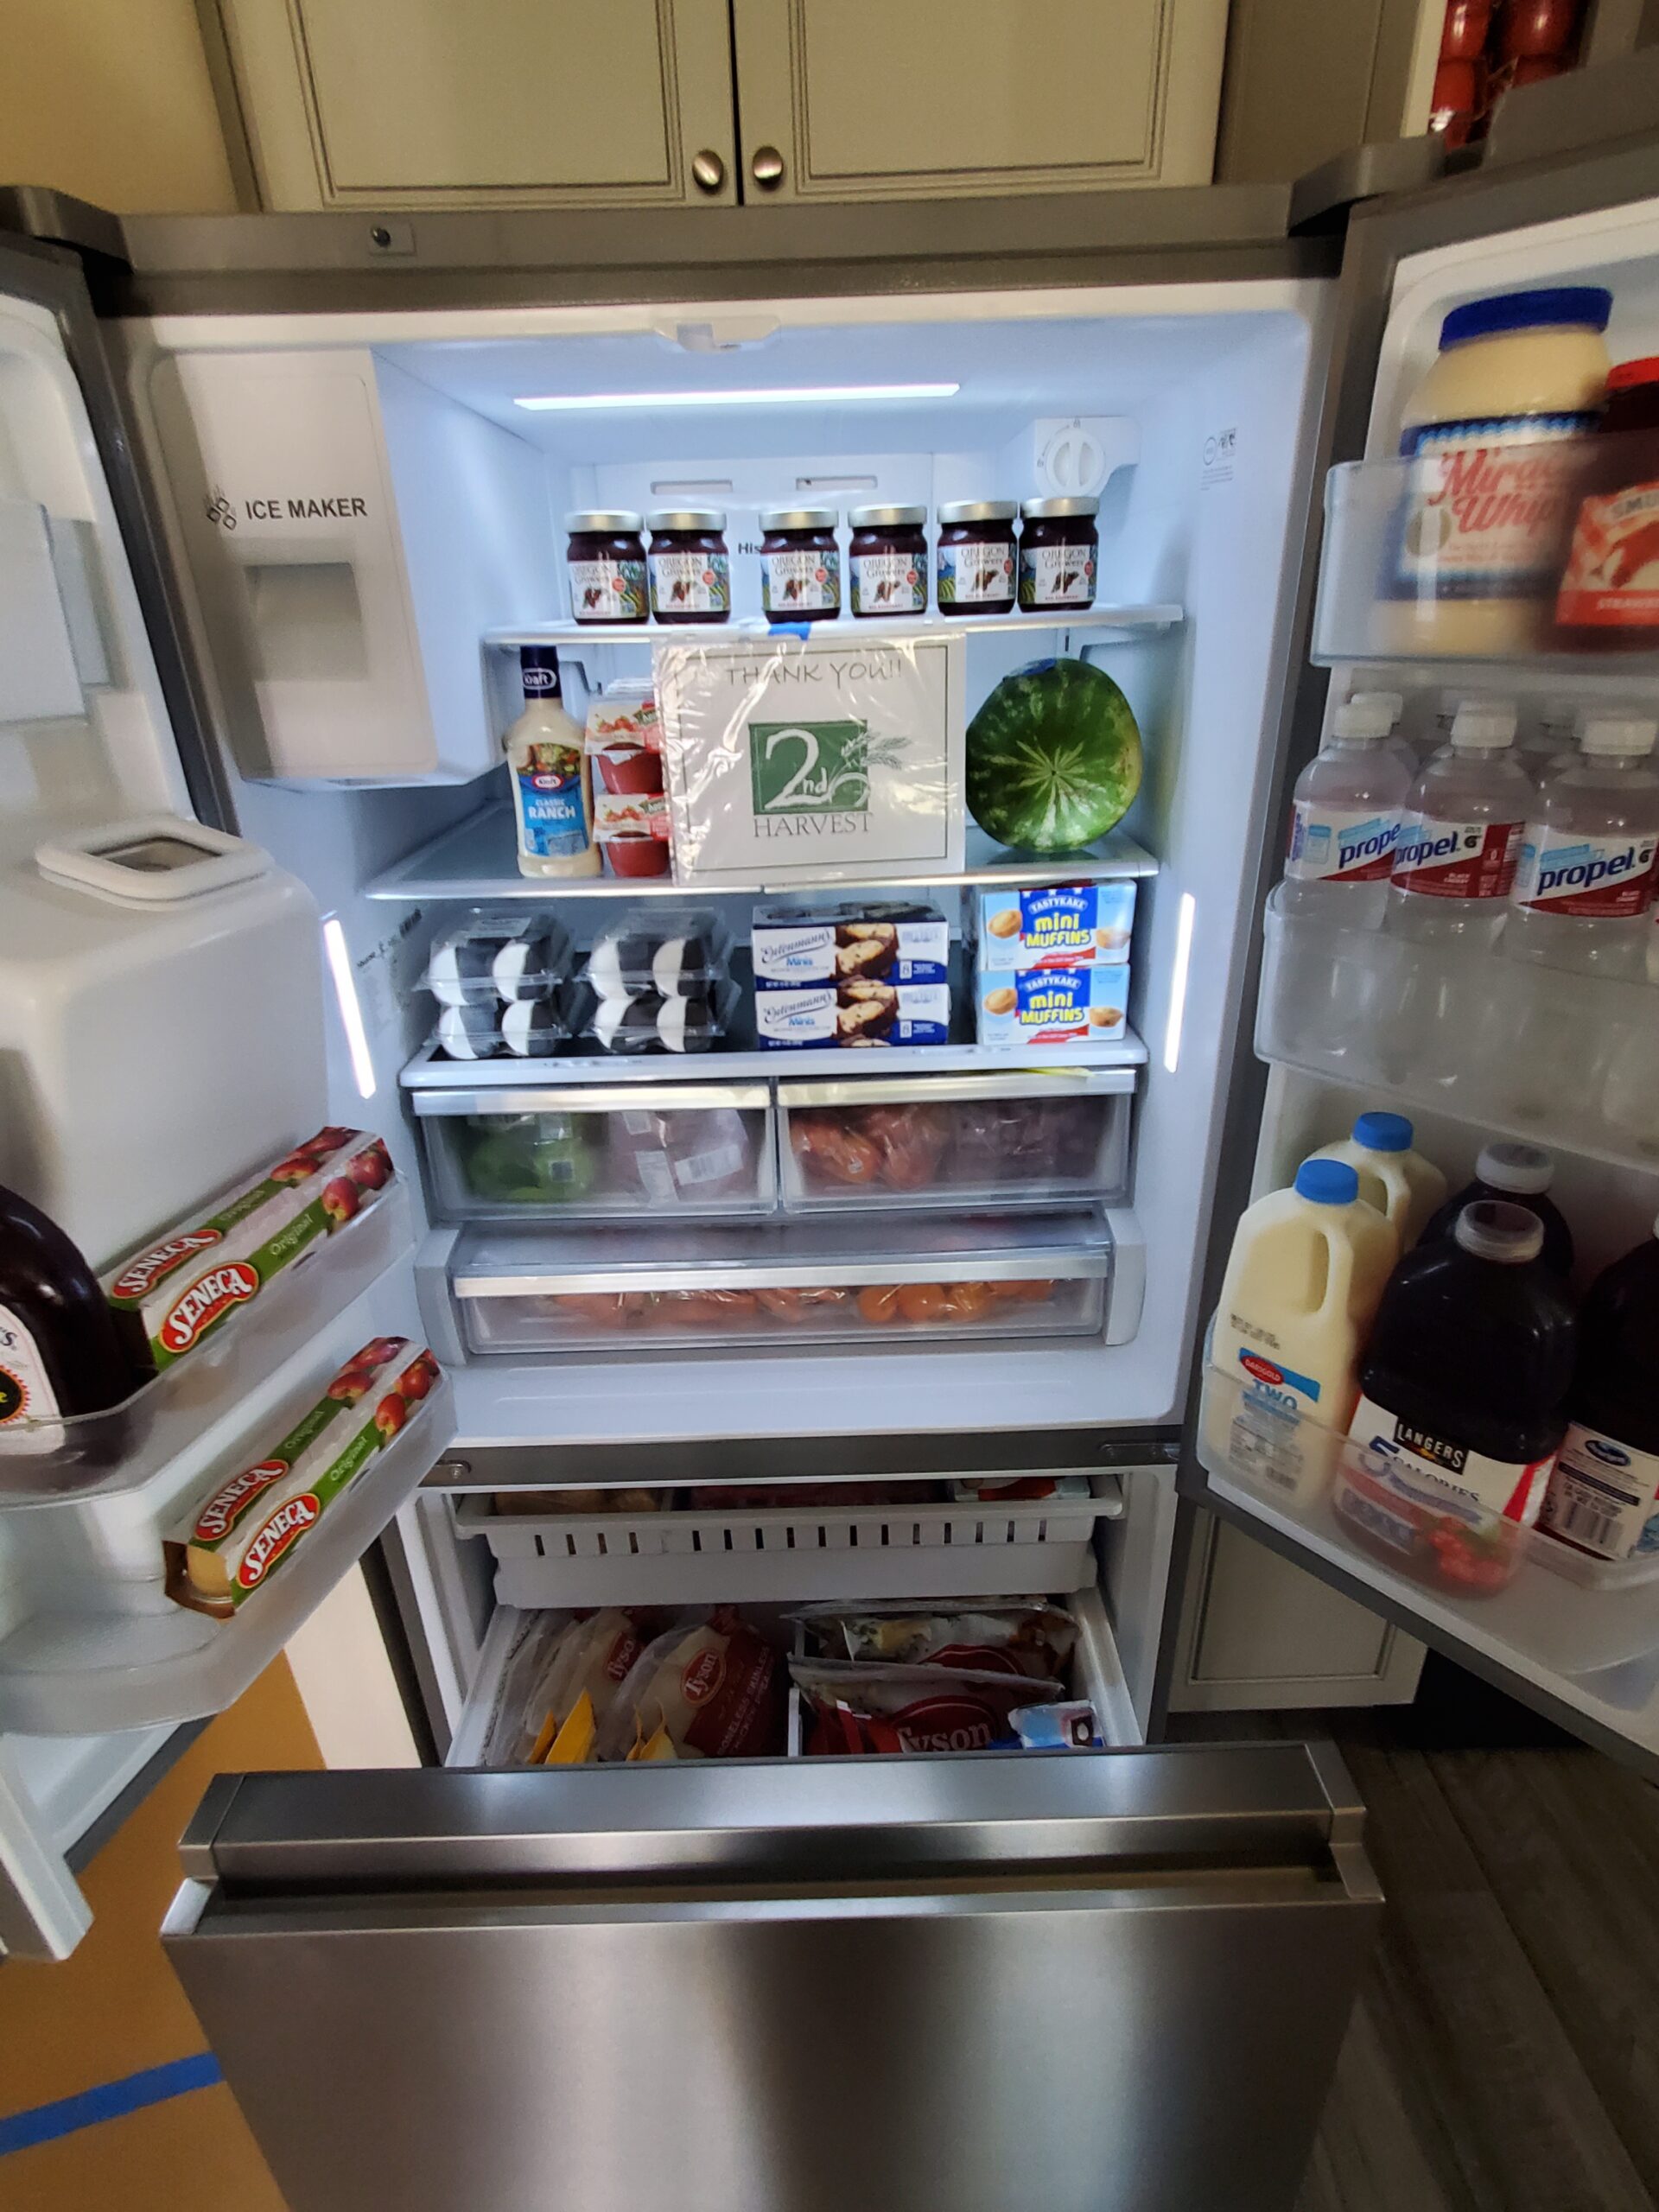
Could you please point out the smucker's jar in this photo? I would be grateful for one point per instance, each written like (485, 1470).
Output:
(690, 571)
(606, 564)
(888, 558)
(800, 564)
(1059, 552)
(974, 565)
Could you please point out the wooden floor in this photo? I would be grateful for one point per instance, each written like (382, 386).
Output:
(1504, 2053)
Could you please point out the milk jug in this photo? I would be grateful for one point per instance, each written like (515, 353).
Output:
(1393, 1178)
(1307, 1270)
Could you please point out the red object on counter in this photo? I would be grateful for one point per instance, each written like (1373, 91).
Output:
(634, 855)
(1609, 597)
(1463, 38)
(628, 768)
(1537, 28)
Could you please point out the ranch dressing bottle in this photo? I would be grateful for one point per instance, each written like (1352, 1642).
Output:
(1490, 440)
(552, 787)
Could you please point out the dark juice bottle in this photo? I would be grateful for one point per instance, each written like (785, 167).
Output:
(59, 1350)
(1604, 1495)
(1463, 1403)
(1520, 1174)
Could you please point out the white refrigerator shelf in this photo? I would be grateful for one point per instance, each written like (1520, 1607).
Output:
(1159, 615)
(477, 859)
(925, 1549)
(66, 1672)
(1097, 1674)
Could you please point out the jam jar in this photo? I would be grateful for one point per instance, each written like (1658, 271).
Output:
(691, 574)
(1060, 548)
(974, 565)
(1609, 596)
(800, 564)
(888, 558)
(606, 564)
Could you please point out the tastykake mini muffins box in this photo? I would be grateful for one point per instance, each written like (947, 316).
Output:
(1057, 925)
(1025, 1008)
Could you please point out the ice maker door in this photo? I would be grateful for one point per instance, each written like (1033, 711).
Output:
(1580, 1645)
(1031, 1983)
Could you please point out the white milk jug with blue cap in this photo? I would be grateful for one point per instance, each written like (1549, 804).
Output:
(1306, 1271)
(1398, 1181)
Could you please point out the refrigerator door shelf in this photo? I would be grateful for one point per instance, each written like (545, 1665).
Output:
(200, 1414)
(1597, 1649)
(926, 1544)
(1057, 1138)
(671, 1152)
(1096, 1675)
(930, 1279)
(69, 1672)
(1545, 1054)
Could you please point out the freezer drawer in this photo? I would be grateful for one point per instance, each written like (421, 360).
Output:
(931, 1281)
(680, 1151)
(1055, 1137)
(1060, 1982)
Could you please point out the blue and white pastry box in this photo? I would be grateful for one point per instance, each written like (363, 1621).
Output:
(1057, 925)
(1025, 1009)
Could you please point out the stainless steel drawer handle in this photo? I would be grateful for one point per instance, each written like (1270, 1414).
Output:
(707, 169)
(767, 167)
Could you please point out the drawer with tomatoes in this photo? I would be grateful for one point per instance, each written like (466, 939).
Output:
(929, 1280)
(1047, 1138)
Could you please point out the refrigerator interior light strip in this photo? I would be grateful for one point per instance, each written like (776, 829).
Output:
(816, 395)
(350, 1013)
(1183, 922)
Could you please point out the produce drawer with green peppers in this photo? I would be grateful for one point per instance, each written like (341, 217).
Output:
(681, 1151)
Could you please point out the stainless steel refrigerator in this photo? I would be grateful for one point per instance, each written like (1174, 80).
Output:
(279, 478)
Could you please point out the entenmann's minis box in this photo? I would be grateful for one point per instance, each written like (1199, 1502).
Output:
(858, 1012)
(1023, 1008)
(1057, 925)
(793, 946)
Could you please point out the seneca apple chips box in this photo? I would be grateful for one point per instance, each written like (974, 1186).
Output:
(180, 1289)
(251, 1525)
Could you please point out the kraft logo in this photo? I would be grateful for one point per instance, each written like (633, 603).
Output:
(1261, 1370)
(1610, 1455)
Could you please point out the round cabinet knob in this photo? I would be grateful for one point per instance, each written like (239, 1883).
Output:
(709, 170)
(767, 167)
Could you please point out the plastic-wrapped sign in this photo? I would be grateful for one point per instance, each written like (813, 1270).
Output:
(810, 760)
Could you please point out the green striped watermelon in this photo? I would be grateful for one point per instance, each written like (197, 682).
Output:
(1054, 757)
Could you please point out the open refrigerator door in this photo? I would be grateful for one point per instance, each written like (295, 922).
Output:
(1456, 967)
(174, 1305)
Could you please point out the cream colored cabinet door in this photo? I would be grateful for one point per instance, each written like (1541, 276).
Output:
(886, 99)
(482, 103)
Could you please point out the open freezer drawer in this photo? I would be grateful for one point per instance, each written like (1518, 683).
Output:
(1051, 1982)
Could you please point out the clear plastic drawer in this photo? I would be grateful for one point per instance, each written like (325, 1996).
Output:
(685, 1151)
(1039, 1139)
(928, 1281)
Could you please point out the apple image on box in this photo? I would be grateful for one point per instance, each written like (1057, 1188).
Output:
(390, 1414)
(370, 1169)
(418, 1376)
(340, 1199)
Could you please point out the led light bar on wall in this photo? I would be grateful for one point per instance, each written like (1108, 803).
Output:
(817, 395)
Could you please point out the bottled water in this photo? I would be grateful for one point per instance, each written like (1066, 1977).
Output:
(1585, 878)
(1345, 822)
(1393, 704)
(1453, 868)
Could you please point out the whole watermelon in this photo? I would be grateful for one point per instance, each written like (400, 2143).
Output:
(1054, 757)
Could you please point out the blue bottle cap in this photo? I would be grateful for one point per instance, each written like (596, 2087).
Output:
(1562, 307)
(1383, 1132)
(1327, 1182)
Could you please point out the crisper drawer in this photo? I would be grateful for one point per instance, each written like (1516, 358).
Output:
(919, 1280)
(684, 1151)
(1023, 1138)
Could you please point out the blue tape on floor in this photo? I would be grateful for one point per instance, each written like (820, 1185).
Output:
(109, 2100)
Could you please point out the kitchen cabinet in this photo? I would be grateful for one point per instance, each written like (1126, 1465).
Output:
(857, 100)
(523, 103)
(513, 102)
